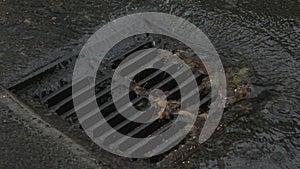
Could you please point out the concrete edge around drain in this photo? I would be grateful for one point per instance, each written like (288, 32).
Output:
(27, 114)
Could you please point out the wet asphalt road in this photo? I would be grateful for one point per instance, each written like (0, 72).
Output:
(23, 146)
(262, 35)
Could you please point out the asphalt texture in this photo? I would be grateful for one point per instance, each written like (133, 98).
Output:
(24, 146)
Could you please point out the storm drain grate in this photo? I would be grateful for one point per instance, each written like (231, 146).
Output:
(60, 101)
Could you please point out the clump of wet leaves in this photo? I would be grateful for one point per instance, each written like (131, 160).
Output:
(188, 57)
(165, 107)
(139, 90)
(238, 84)
(241, 76)
(166, 112)
(238, 88)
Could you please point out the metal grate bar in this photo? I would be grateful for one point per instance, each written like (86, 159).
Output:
(63, 92)
(126, 122)
(66, 91)
(112, 115)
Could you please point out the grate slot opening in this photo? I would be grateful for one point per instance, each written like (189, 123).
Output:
(149, 129)
(108, 110)
(63, 93)
(129, 127)
(126, 144)
(100, 85)
(87, 107)
(144, 74)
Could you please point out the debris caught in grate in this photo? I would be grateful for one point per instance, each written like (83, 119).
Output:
(59, 100)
